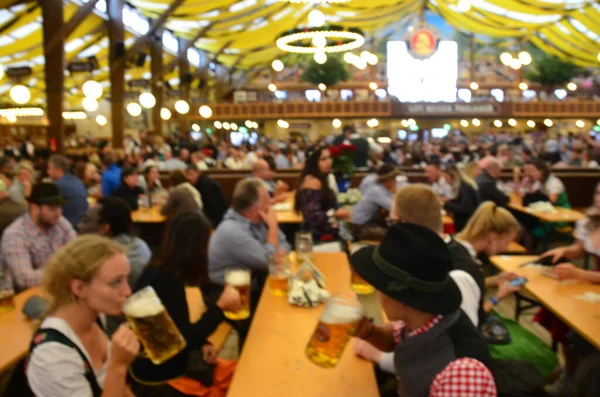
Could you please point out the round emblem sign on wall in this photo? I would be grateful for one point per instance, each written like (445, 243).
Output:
(422, 41)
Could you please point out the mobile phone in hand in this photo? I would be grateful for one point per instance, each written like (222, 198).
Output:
(517, 282)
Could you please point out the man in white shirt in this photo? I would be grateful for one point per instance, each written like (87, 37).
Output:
(438, 183)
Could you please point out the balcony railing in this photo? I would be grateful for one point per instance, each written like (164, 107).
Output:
(372, 108)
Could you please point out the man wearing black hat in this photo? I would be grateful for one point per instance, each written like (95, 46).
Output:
(437, 349)
(34, 237)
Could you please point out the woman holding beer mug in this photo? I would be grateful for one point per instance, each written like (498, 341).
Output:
(182, 262)
(86, 278)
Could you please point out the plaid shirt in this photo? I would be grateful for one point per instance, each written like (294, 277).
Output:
(463, 377)
(25, 248)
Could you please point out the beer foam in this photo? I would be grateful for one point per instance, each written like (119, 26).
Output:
(339, 314)
(144, 307)
(237, 278)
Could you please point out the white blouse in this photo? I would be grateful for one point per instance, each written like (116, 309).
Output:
(585, 236)
(56, 370)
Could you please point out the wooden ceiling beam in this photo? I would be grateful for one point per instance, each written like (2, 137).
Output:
(66, 29)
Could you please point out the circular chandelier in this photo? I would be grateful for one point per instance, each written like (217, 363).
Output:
(331, 38)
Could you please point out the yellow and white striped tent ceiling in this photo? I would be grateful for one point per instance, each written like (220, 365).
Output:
(243, 32)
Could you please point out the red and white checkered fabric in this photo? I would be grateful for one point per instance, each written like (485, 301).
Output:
(465, 377)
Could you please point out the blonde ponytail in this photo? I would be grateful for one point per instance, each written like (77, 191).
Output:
(489, 218)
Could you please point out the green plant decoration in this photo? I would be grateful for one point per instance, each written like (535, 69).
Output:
(551, 72)
(330, 73)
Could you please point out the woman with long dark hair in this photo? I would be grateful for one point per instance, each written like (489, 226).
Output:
(316, 200)
(182, 261)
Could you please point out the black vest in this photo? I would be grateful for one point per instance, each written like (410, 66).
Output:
(419, 359)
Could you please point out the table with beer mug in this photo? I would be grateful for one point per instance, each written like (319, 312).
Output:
(299, 351)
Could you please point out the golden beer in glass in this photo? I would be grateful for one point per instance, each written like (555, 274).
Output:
(359, 285)
(7, 293)
(240, 280)
(153, 326)
(336, 325)
(279, 271)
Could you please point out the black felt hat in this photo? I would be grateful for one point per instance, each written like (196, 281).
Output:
(46, 193)
(412, 266)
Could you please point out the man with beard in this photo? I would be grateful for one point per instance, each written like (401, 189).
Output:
(34, 237)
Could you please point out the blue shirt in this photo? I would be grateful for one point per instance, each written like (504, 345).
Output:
(238, 242)
(282, 162)
(375, 198)
(111, 179)
(74, 190)
(138, 253)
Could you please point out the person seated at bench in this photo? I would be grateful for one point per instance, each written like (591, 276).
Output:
(35, 236)
(129, 190)
(464, 199)
(182, 260)
(71, 354)
(261, 170)
(183, 196)
(316, 200)
(437, 349)
(487, 182)
(214, 202)
(377, 198)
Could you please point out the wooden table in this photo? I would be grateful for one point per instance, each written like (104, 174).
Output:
(516, 248)
(289, 216)
(561, 214)
(559, 297)
(273, 363)
(16, 331)
(148, 215)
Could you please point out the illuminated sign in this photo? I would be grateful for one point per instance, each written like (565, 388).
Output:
(422, 42)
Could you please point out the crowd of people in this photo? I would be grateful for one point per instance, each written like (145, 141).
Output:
(433, 285)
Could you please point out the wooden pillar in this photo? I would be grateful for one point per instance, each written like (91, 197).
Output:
(184, 84)
(53, 16)
(156, 67)
(472, 57)
(116, 37)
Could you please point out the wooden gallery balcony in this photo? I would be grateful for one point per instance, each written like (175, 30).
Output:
(291, 110)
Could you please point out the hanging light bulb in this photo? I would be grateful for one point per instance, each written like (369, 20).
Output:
(360, 63)
(316, 18)
(218, 125)
(89, 104)
(506, 58)
(234, 126)
(571, 86)
(336, 123)
(11, 118)
(226, 126)
(580, 123)
(195, 127)
(349, 57)
(372, 60)
(272, 87)
(205, 111)
(530, 123)
(512, 122)
(101, 120)
(322, 87)
(283, 124)
(476, 122)
(319, 41)
(524, 57)
(548, 123)
(165, 114)
(277, 65)
(92, 89)
(523, 86)
(373, 86)
(20, 94)
(463, 5)
(515, 63)
(147, 100)
(498, 123)
(320, 57)
(474, 86)
(134, 109)
(464, 123)
(182, 107)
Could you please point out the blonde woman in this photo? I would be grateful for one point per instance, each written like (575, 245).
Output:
(21, 186)
(71, 355)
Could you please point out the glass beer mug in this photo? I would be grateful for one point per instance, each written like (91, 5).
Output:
(337, 324)
(279, 271)
(304, 247)
(240, 280)
(153, 326)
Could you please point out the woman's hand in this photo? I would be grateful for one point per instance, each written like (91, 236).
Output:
(342, 213)
(125, 346)
(567, 271)
(229, 301)
(556, 253)
(209, 354)
(505, 289)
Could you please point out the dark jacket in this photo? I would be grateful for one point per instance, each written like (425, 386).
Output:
(171, 291)
(463, 205)
(129, 195)
(488, 190)
(213, 199)
(361, 156)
